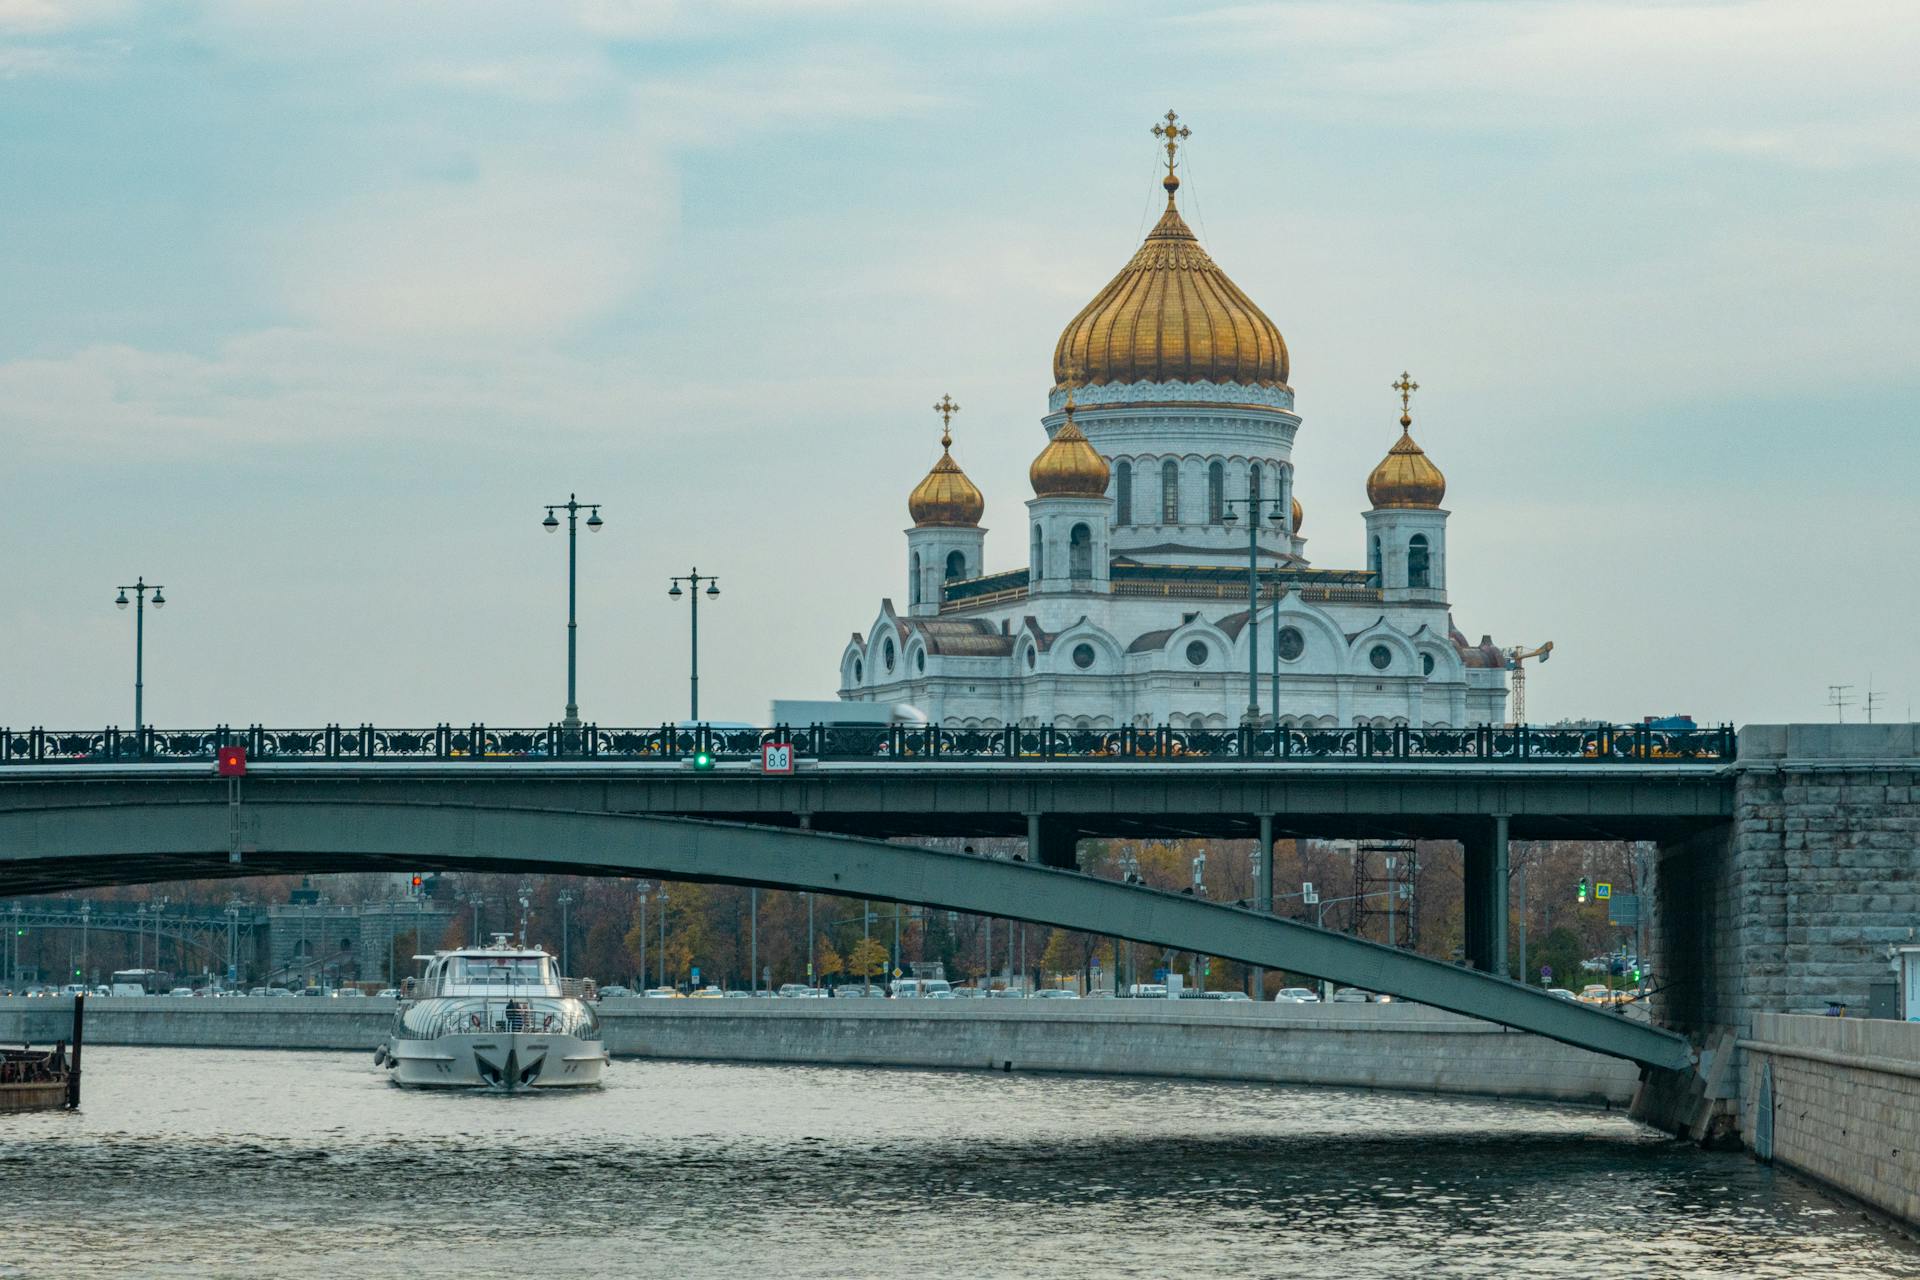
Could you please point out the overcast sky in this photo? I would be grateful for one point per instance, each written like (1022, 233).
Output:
(306, 310)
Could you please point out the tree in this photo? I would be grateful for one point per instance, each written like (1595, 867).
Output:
(828, 962)
(869, 957)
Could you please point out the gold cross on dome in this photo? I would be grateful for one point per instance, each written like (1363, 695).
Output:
(1174, 133)
(946, 409)
(1070, 376)
(1406, 387)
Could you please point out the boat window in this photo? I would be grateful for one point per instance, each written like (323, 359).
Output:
(503, 971)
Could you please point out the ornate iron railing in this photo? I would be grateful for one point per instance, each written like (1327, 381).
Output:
(1489, 744)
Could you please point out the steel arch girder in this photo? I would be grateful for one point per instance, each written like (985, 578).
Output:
(327, 836)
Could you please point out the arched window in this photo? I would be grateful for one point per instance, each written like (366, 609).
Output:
(1283, 491)
(1037, 563)
(1123, 493)
(1417, 575)
(956, 565)
(1373, 560)
(1080, 552)
(1253, 481)
(913, 580)
(1169, 492)
(1216, 492)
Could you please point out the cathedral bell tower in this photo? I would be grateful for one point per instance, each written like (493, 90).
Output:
(1070, 515)
(946, 540)
(1406, 529)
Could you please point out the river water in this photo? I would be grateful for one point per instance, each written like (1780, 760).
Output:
(213, 1163)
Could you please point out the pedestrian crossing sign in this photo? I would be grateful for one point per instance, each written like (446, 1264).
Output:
(1603, 890)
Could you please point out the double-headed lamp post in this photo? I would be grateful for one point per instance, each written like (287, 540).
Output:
(693, 581)
(140, 588)
(573, 507)
(1254, 503)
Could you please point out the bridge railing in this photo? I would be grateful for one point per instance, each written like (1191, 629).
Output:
(1486, 744)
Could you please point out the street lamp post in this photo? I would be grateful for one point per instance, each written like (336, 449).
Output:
(753, 938)
(573, 507)
(810, 952)
(693, 581)
(140, 588)
(86, 918)
(663, 935)
(1254, 503)
(565, 899)
(643, 888)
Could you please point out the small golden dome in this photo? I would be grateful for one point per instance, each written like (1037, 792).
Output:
(1171, 316)
(1298, 518)
(1406, 477)
(1069, 467)
(946, 497)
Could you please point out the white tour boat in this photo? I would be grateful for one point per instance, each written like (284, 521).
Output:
(495, 1017)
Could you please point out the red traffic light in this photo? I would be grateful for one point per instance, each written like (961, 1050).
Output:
(231, 762)
(417, 882)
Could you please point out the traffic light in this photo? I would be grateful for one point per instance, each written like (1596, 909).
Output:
(1583, 888)
(703, 759)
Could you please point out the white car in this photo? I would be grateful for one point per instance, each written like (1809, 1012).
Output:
(1148, 991)
(1055, 993)
(1352, 995)
(1296, 995)
(181, 991)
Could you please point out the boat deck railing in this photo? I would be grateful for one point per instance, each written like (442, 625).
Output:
(477, 1016)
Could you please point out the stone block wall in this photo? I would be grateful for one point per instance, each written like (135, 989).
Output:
(1795, 903)
(1837, 1099)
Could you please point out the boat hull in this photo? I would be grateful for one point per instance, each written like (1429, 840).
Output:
(506, 1061)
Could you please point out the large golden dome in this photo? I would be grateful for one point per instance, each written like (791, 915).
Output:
(1069, 467)
(1171, 316)
(946, 497)
(1406, 477)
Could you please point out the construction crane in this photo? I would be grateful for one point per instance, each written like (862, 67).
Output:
(1516, 657)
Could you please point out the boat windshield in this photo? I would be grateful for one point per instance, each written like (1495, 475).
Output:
(502, 971)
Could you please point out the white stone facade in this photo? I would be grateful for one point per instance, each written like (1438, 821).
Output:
(1144, 621)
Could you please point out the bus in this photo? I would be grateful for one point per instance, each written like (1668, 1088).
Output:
(141, 982)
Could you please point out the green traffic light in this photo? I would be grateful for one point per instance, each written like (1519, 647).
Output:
(703, 759)
(1583, 890)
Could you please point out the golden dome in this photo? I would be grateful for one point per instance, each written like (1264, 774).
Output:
(1406, 477)
(946, 497)
(1069, 467)
(1171, 316)
(1297, 516)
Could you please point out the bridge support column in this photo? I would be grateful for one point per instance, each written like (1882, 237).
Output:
(1486, 896)
(1051, 841)
(1263, 895)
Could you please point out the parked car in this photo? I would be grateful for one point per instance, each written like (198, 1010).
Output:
(278, 991)
(854, 990)
(349, 993)
(1296, 995)
(664, 993)
(387, 993)
(1352, 995)
(1148, 991)
(741, 995)
(1229, 995)
(1056, 993)
(709, 993)
(181, 991)
(608, 992)
(310, 993)
(794, 991)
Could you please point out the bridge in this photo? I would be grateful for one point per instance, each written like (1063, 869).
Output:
(695, 803)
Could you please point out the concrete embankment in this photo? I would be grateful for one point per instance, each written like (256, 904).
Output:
(1838, 1099)
(1393, 1046)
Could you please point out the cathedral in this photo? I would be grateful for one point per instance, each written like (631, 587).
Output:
(1167, 579)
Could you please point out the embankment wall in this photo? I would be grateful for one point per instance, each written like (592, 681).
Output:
(1393, 1046)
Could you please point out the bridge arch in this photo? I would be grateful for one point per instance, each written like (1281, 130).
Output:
(55, 849)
